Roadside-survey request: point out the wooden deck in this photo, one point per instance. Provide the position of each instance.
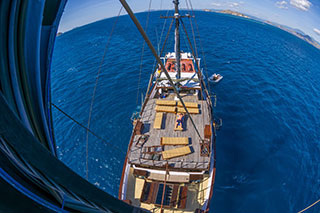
(190, 161)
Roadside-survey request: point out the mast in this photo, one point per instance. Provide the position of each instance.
(154, 52)
(177, 37)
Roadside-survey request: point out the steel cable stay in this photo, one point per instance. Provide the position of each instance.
(142, 53)
(162, 31)
(193, 35)
(185, 42)
(201, 46)
(95, 88)
(164, 185)
(195, 55)
(197, 63)
(155, 69)
(118, 149)
(159, 42)
(154, 52)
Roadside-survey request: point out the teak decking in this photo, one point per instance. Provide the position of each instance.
(189, 161)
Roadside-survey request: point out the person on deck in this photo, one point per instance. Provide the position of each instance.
(179, 120)
(183, 67)
(169, 67)
(190, 68)
(159, 70)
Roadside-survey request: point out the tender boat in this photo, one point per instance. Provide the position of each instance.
(170, 162)
(215, 78)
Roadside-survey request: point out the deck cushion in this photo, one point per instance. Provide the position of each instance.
(177, 152)
(158, 120)
(174, 141)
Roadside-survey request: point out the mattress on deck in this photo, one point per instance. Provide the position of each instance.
(174, 141)
(177, 152)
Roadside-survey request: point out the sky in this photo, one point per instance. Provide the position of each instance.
(298, 14)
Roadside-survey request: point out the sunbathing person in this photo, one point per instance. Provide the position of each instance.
(179, 120)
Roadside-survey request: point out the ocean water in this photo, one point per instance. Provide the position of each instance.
(268, 149)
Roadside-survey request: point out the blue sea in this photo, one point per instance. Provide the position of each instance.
(268, 149)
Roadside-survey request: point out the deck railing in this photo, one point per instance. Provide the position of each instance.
(177, 164)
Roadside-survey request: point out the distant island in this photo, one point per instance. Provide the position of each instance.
(295, 32)
(234, 13)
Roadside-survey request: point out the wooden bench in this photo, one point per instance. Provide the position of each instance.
(169, 109)
(158, 120)
(174, 141)
(177, 152)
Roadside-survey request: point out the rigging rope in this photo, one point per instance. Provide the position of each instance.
(154, 71)
(303, 210)
(201, 46)
(88, 130)
(206, 91)
(158, 47)
(164, 186)
(194, 57)
(193, 35)
(162, 31)
(161, 35)
(95, 88)
(142, 53)
(185, 42)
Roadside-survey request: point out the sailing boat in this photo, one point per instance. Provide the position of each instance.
(170, 162)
